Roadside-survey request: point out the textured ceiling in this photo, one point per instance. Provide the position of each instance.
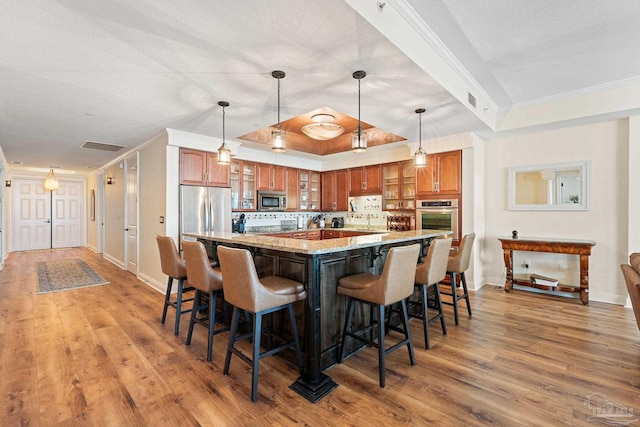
(121, 71)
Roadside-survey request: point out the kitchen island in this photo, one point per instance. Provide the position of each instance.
(319, 264)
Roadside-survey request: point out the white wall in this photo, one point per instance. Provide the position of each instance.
(92, 229)
(605, 145)
(114, 214)
(152, 205)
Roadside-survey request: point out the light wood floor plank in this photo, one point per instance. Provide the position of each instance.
(99, 356)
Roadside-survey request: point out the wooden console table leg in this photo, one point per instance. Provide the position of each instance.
(508, 263)
(584, 279)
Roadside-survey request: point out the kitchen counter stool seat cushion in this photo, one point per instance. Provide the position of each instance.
(429, 274)
(247, 292)
(394, 285)
(456, 266)
(174, 267)
(207, 281)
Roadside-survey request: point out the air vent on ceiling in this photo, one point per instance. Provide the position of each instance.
(101, 146)
(472, 100)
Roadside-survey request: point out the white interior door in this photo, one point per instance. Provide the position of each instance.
(132, 214)
(67, 221)
(31, 206)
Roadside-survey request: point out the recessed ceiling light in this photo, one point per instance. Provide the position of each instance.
(322, 131)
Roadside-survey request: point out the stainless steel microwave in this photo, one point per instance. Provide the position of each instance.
(272, 200)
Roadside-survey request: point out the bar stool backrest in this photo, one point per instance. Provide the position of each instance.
(460, 262)
(171, 263)
(397, 279)
(242, 287)
(199, 271)
(434, 267)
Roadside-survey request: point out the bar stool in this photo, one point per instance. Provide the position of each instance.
(395, 284)
(428, 276)
(208, 283)
(246, 292)
(174, 267)
(457, 265)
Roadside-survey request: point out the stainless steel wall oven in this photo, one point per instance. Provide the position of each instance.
(438, 215)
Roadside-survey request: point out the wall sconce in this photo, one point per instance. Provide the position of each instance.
(109, 180)
(7, 183)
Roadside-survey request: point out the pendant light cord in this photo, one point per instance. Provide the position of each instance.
(278, 103)
(359, 126)
(223, 113)
(420, 130)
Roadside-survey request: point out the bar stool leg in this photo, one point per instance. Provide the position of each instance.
(232, 339)
(294, 330)
(212, 323)
(347, 328)
(466, 292)
(257, 328)
(179, 305)
(167, 297)
(407, 333)
(381, 352)
(425, 317)
(454, 297)
(197, 300)
(438, 299)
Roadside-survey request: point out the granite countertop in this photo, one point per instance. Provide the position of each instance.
(315, 247)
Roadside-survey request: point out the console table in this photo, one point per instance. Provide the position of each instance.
(559, 246)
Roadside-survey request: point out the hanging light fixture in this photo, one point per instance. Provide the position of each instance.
(51, 183)
(224, 153)
(359, 138)
(420, 160)
(278, 136)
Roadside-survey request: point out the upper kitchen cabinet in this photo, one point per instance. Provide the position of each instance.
(293, 188)
(365, 180)
(271, 177)
(335, 196)
(442, 175)
(309, 190)
(202, 168)
(398, 182)
(243, 186)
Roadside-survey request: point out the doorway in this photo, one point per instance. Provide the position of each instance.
(47, 219)
(131, 209)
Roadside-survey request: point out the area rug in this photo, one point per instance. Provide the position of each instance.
(61, 274)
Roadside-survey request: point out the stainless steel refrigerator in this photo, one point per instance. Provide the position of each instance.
(204, 209)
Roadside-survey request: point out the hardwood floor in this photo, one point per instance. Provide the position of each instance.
(99, 356)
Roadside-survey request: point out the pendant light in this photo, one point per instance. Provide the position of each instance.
(359, 138)
(51, 183)
(420, 160)
(278, 136)
(224, 153)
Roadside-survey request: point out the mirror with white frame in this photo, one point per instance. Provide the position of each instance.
(552, 187)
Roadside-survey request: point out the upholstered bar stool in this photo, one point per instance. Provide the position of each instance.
(208, 283)
(456, 266)
(174, 267)
(394, 285)
(245, 291)
(428, 277)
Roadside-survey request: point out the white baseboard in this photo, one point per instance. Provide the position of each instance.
(153, 283)
(93, 248)
(112, 260)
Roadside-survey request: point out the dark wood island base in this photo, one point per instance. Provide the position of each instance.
(319, 265)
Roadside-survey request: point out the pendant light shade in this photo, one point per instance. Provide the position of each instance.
(359, 138)
(278, 136)
(420, 160)
(224, 153)
(50, 182)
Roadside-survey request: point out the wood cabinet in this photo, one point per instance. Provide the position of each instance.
(335, 196)
(331, 234)
(292, 178)
(270, 177)
(309, 190)
(365, 180)
(314, 235)
(442, 175)
(243, 186)
(202, 168)
(398, 186)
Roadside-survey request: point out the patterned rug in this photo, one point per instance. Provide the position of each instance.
(61, 274)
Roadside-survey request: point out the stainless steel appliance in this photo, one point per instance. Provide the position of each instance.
(438, 215)
(272, 201)
(204, 209)
(337, 222)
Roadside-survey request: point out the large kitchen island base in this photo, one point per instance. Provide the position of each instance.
(319, 265)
